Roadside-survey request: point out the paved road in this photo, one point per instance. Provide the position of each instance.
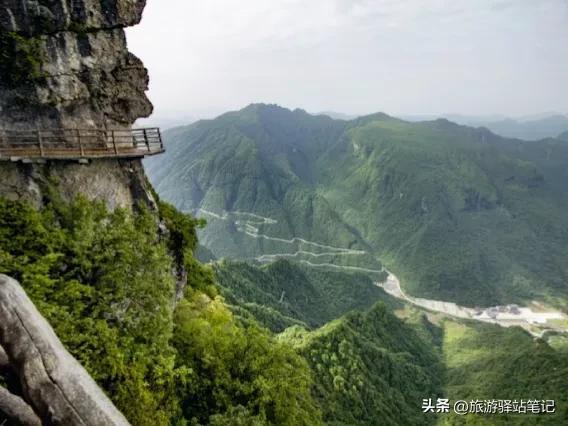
(535, 323)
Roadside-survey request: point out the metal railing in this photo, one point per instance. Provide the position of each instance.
(63, 144)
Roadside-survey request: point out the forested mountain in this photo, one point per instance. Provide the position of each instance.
(371, 366)
(530, 128)
(285, 293)
(276, 311)
(286, 343)
(260, 160)
(104, 282)
(460, 214)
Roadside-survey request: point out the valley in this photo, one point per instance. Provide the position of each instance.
(537, 322)
(248, 223)
(370, 351)
(460, 214)
(302, 211)
(270, 266)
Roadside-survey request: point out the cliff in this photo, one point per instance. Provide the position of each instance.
(120, 183)
(65, 64)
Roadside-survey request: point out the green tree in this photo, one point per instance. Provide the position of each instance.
(238, 371)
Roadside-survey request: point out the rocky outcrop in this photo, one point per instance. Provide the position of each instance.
(33, 17)
(65, 63)
(52, 382)
(119, 183)
(17, 410)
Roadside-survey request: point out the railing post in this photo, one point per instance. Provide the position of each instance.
(114, 142)
(59, 143)
(146, 140)
(80, 142)
(39, 142)
(160, 138)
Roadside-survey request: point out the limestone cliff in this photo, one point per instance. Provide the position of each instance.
(120, 183)
(65, 64)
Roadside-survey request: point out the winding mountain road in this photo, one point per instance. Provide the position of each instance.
(535, 322)
(248, 223)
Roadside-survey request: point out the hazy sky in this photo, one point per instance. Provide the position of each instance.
(356, 56)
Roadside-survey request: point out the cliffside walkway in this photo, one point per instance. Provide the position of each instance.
(78, 144)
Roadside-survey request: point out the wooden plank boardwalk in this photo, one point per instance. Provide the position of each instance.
(78, 144)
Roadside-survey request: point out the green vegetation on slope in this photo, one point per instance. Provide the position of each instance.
(370, 368)
(285, 293)
(490, 362)
(20, 59)
(258, 160)
(374, 368)
(458, 213)
(104, 281)
(238, 375)
(105, 285)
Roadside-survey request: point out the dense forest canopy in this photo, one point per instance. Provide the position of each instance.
(104, 281)
(458, 213)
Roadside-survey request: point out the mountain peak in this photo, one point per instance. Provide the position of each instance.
(378, 116)
(268, 108)
(378, 180)
(261, 106)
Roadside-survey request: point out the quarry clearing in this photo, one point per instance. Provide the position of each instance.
(536, 319)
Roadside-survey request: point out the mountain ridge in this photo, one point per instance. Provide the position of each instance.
(445, 206)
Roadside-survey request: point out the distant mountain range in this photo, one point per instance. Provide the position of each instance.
(459, 213)
(527, 128)
(166, 121)
(533, 127)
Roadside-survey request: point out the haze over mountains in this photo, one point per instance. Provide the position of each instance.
(303, 211)
(286, 307)
(532, 127)
(459, 213)
(535, 127)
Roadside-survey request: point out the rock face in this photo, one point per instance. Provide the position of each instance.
(55, 385)
(65, 64)
(119, 183)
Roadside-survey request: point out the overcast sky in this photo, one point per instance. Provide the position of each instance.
(356, 56)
